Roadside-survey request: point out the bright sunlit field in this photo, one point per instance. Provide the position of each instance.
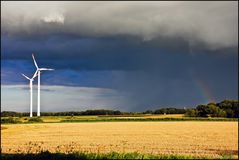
(199, 139)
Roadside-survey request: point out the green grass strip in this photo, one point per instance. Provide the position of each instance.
(148, 119)
(83, 156)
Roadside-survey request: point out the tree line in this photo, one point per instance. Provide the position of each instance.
(94, 112)
(166, 111)
(73, 113)
(226, 108)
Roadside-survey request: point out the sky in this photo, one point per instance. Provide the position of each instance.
(128, 56)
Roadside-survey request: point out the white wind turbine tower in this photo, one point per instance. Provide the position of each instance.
(30, 84)
(38, 73)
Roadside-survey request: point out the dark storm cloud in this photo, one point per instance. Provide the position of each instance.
(172, 82)
(212, 23)
(102, 35)
(153, 53)
(94, 54)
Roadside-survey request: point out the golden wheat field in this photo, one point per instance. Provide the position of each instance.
(201, 139)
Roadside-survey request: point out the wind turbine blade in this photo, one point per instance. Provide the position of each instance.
(46, 69)
(35, 74)
(34, 61)
(26, 77)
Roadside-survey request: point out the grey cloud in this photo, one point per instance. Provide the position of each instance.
(66, 99)
(138, 42)
(212, 23)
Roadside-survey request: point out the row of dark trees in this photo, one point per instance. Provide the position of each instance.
(166, 111)
(226, 108)
(80, 113)
(94, 112)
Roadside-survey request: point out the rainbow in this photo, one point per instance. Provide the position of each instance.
(204, 90)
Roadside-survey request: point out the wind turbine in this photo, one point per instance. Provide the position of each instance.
(31, 80)
(38, 73)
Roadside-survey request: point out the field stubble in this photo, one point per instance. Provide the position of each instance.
(200, 139)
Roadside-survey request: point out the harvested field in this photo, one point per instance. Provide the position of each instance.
(201, 139)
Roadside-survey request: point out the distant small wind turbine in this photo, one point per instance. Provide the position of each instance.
(30, 84)
(38, 73)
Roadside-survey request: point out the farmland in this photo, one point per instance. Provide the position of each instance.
(109, 118)
(189, 138)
